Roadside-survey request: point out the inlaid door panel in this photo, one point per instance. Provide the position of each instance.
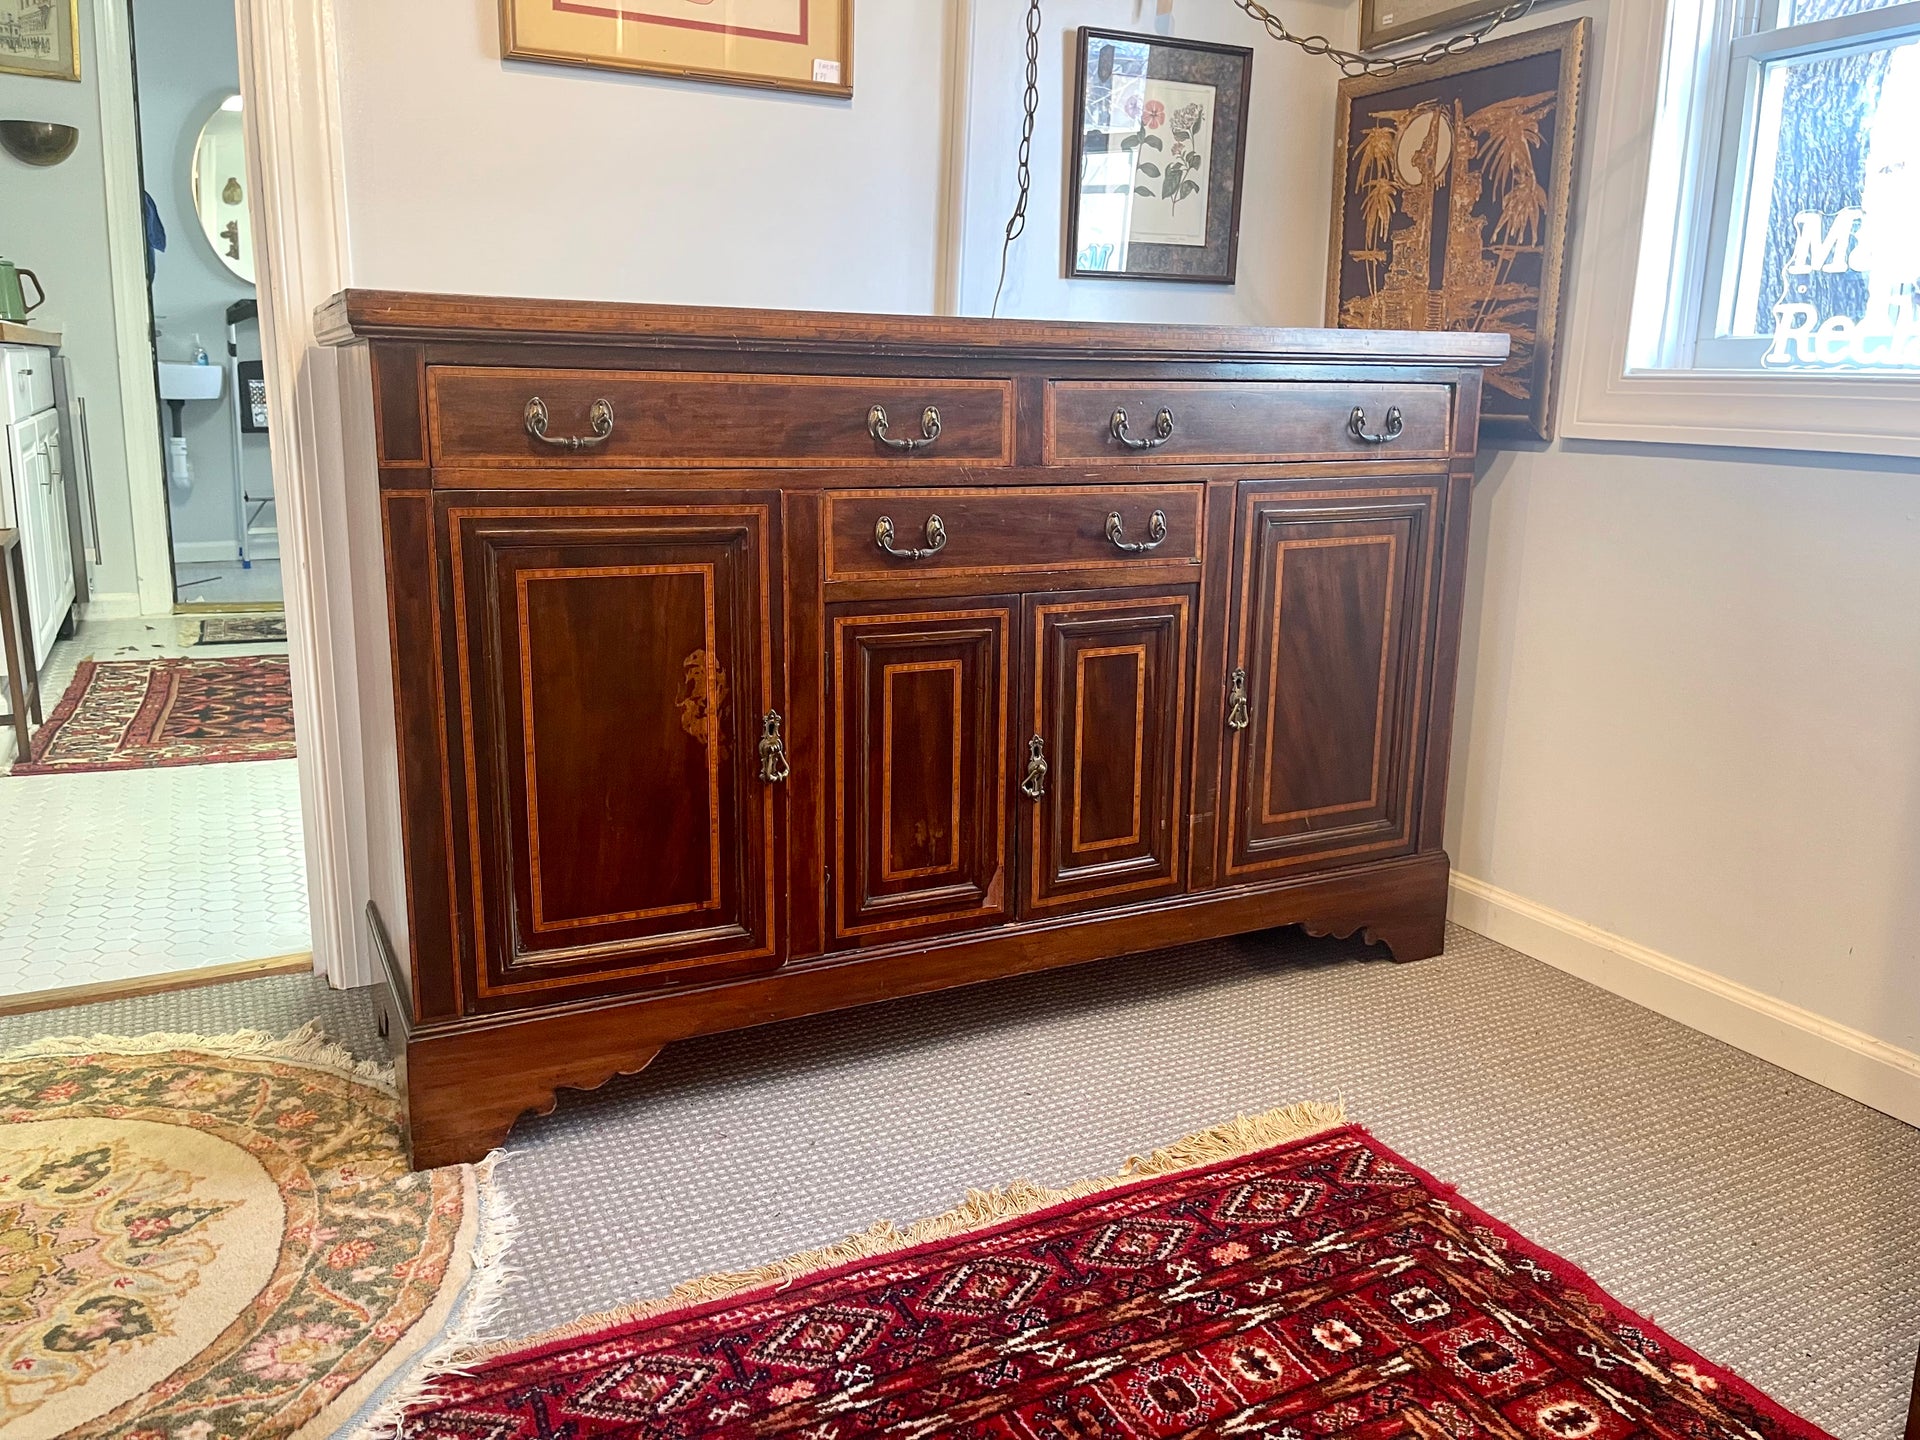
(1108, 701)
(616, 665)
(1328, 659)
(921, 700)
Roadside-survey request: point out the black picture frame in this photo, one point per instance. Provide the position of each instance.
(1228, 69)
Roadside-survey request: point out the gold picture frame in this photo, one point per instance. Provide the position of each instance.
(30, 26)
(1452, 199)
(1382, 22)
(801, 45)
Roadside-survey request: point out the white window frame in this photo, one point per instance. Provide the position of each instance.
(1666, 67)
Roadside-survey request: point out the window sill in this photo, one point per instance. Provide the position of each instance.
(1846, 414)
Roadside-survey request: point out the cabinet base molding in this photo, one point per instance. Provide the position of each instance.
(465, 1083)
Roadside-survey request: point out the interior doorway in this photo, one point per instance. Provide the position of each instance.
(222, 518)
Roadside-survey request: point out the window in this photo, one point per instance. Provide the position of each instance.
(1787, 148)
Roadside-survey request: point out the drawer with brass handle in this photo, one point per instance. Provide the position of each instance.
(1244, 421)
(885, 534)
(505, 415)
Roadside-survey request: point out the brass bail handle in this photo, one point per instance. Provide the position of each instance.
(1237, 709)
(1156, 532)
(936, 533)
(1357, 426)
(1162, 430)
(600, 417)
(773, 750)
(1035, 785)
(929, 429)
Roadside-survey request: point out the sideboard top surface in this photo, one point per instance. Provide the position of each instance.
(395, 315)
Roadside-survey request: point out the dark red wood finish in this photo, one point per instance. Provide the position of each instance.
(592, 648)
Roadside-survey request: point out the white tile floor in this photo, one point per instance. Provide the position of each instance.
(144, 872)
(196, 582)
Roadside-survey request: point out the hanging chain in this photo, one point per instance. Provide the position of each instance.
(1017, 222)
(1352, 63)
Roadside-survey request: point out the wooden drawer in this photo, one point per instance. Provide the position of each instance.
(1005, 532)
(1245, 421)
(478, 416)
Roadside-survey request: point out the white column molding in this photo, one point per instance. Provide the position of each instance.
(132, 309)
(292, 116)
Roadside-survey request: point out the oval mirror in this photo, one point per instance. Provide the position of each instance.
(220, 188)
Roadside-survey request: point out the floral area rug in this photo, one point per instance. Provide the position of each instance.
(218, 1239)
(140, 714)
(1281, 1277)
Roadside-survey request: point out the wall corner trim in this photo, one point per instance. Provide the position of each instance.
(1842, 1059)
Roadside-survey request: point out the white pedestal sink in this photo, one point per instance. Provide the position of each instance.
(180, 381)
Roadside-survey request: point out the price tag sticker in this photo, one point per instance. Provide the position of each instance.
(826, 72)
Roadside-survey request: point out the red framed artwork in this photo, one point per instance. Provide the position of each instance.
(777, 44)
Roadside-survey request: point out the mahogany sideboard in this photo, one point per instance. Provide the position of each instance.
(721, 667)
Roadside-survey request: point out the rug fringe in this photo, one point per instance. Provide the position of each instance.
(497, 1226)
(309, 1046)
(1242, 1135)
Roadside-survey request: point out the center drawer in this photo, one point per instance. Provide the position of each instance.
(887, 534)
(486, 415)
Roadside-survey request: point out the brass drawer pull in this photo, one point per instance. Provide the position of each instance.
(1237, 717)
(1162, 430)
(1357, 426)
(600, 417)
(773, 750)
(1035, 785)
(929, 429)
(936, 538)
(1156, 532)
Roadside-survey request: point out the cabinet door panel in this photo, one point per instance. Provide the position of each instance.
(1331, 618)
(1108, 698)
(615, 667)
(920, 739)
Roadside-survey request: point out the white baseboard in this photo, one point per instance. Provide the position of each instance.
(1850, 1061)
(190, 552)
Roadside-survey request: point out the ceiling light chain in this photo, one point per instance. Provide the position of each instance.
(1352, 63)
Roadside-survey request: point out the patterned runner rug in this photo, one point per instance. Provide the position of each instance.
(206, 1238)
(139, 714)
(1247, 1282)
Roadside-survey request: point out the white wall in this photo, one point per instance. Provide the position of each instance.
(53, 220)
(187, 58)
(1689, 718)
(469, 174)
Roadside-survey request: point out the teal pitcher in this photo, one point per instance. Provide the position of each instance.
(13, 300)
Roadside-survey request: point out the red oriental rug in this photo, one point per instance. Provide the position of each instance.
(142, 714)
(1228, 1286)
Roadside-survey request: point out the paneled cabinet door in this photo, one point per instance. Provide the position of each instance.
(617, 667)
(1332, 595)
(1102, 752)
(920, 733)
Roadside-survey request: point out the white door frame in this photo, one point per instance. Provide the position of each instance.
(292, 123)
(132, 307)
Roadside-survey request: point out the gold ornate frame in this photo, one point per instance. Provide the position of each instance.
(73, 43)
(1570, 40)
(514, 47)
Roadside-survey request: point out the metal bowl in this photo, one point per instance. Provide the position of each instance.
(38, 142)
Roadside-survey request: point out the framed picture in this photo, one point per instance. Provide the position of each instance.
(1452, 190)
(1159, 148)
(1384, 21)
(40, 37)
(776, 44)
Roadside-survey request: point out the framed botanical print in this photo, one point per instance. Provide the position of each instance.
(40, 37)
(1384, 21)
(1159, 149)
(1453, 185)
(777, 44)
